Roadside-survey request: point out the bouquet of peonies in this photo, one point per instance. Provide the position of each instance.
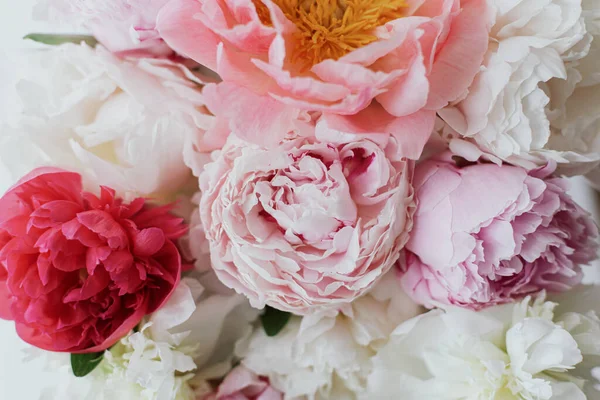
(304, 199)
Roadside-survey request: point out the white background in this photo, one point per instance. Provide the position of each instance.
(20, 380)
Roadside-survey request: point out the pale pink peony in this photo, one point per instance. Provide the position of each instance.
(78, 271)
(407, 57)
(310, 224)
(243, 384)
(486, 234)
(127, 27)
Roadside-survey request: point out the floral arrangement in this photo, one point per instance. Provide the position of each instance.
(304, 199)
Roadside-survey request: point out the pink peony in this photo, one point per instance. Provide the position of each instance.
(127, 27)
(406, 57)
(77, 271)
(486, 234)
(309, 224)
(243, 384)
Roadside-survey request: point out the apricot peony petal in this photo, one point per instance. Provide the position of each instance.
(178, 26)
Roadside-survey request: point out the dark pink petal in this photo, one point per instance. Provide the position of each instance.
(54, 213)
(148, 242)
(5, 301)
(118, 261)
(93, 285)
(104, 225)
(95, 256)
(68, 277)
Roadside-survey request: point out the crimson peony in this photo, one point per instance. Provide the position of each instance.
(77, 271)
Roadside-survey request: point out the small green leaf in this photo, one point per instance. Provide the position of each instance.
(273, 320)
(56, 39)
(83, 364)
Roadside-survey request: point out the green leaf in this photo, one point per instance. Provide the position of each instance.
(83, 364)
(273, 320)
(56, 39)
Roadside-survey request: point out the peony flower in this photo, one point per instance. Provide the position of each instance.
(536, 99)
(486, 234)
(126, 27)
(307, 225)
(329, 357)
(180, 348)
(513, 352)
(78, 271)
(86, 111)
(399, 58)
(242, 384)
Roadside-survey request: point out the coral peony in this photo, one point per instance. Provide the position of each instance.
(80, 271)
(127, 27)
(485, 234)
(410, 57)
(309, 224)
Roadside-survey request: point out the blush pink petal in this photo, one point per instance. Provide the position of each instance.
(250, 34)
(258, 119)
(411, 132)
(461, 58)
(303, 87)
(243, 384)
(239, 69)
(180, 28)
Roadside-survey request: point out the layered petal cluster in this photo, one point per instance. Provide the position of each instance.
(309, 224)
(276, 57)
(79, 271)
(325, 357)
(536, 97)
(486, 234)
(119, 123)
(511, 352)
(126, 27)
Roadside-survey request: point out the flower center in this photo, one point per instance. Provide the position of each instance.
(330, 29)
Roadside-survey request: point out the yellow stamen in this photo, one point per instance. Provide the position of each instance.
(330, 29)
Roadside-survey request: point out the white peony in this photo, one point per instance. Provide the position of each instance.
(537, 96)
(525, 351)
(176, 352)
(325, 357)
(123, 26)
(120, 123)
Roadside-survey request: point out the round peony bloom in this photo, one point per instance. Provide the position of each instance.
(78, 271)
(486, 234)
(537, 97)
(126, 27)
(410, 57)
(527, 351)
(310, 224)
(87, 111)
(324, 357)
